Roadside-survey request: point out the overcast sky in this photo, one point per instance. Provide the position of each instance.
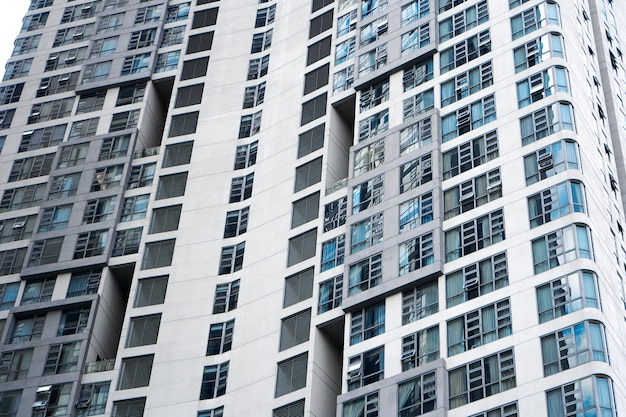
(11, 13)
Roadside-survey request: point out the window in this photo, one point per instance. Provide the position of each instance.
(135, 372)
(573, 346)
(236, 222)
(551, 160)
(141, 176)
(55, 400)
(143, 330)
(373, 60)
(42, 138)
(250, 125)
(482, 378)
(26, 45)
(203, 18)
(365, 274)
(148, 14)
(465, 51)
(172, 36)
(507, 410)
(114, 147)
(241, 188)
(183, 124)
(62, 358)
(17, 69)
(38, 291)
(34, 21)
(231, 259)
(189, 95)
(375, 95)
(318, 4)
(305, 210)
(473, 193)
(596, 391)
(295, 329)
(470, 154)
(129, 408)
(200, 42)
(6, 117)
(158, 254)
(254, 96)
(245, 155)
(130, 94)
(258, 67)
(370, 7)
(416, 253)
(416, 173)
(142, 38)
(27, 329)
(84, 128)
(468, 118)
(58, 60)
(417, 396)
(546, 121)
(419, 302)
(106, 178)
(226, 297)
(135, 64)
(11, 261)
(214, 381)
(93, 398)
(463, 21)
(127, 241)
(220, 337)
(367, 323)
(90, 244)
(167, 61)
(541, 85)
(265, 16)
(466, 84)
(373, 31)
(22, 197)
(110, 23)
(302, 247)
(333, 253)
(368, 158)
(177, 12)
(32, 167)
(298, 287)
(321, 24)
(420, 348)
(554, 202)
(312, 109)
(373, 125)
(51, 110)
(479, 327)
(567, 294)
(560, 247)
(8, 295)
(171, 186)
(216, 412)
(538, 50)
(415, 39)
(11, 93)
(45, 251)
(335, 214)
(57, 84)
(346, 23)
(366, 406)
(415, 136)
(366, 233)
(84, 283)
(367, 194)
(177, 154)
(366, 368)
(315, 79)
(261, 41)
(103, 47)
(474, 235)
(343, 79)
(476, 279)
(134, 208)
(546, 13)
(416, 212)
(151, 291)
(291, 375)
(330, 295)
(165, 219)
(55, 218)
(13, 367)
(308, 174)
(124, 120)
(418, 104)
(96, 72)
(295, 409)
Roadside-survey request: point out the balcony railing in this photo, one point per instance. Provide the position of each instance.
(100, 366)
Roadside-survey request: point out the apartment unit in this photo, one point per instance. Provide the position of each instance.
(289, 208)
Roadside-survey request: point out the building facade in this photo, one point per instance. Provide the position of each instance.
(289, 208)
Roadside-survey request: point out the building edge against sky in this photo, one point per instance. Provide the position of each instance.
(313, 208)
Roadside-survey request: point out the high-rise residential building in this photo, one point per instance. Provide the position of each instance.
(320, 208)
